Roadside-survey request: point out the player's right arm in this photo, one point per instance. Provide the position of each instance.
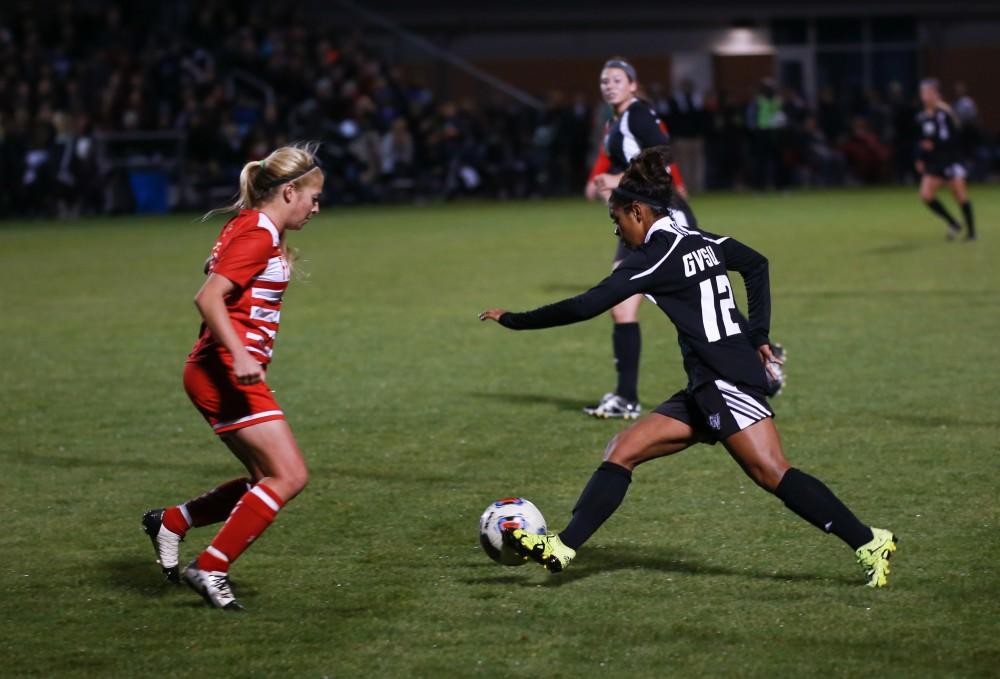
(211, 303)
(599, 177)
(627, 280)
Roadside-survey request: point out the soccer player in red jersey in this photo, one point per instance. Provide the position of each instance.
(240, 304)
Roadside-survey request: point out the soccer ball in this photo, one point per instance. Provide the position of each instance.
(510, 512)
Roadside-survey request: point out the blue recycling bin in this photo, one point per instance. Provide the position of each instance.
(151, 191)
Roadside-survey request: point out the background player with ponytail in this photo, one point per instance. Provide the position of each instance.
(240, 304)
(683, 271)
(938, 159)
(635, 126)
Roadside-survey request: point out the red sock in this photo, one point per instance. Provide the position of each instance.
(176, 521)
(252, 515)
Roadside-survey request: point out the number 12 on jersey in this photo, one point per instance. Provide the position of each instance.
(713, 306)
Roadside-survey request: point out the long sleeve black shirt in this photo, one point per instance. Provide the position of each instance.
(683, 272)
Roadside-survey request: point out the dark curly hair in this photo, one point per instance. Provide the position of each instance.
(647, 180)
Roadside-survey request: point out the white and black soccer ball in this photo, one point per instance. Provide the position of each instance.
(508, 513)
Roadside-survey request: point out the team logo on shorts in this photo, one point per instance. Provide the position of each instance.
(715, 421)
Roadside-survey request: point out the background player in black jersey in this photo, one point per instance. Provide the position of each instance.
(683, 271)
(939, 158)
(635, 126)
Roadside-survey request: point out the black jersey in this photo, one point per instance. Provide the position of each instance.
(939, 128)
(636, 129)
(683, 272)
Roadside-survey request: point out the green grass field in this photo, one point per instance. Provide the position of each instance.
(414, 416)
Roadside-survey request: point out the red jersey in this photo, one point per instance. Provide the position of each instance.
(248, 253)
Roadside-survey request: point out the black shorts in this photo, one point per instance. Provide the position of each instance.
(946, 171)
(718, 409)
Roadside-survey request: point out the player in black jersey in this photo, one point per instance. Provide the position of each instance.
(939, 160)
(635, 126)
(683, 271)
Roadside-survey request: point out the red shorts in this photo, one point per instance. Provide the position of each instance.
(224, 402)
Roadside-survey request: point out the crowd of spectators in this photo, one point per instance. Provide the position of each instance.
(778, 140)
(233, 80)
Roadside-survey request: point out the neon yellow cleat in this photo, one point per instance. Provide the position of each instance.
(874, 556)
(547, 550)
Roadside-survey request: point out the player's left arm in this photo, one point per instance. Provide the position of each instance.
(753, 266)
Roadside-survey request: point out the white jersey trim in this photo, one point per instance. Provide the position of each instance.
(630, 147)
(259, 313)
(670, 226)
(248, 418)
(265, 222)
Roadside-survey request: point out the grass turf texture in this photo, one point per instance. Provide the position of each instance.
(414, 416)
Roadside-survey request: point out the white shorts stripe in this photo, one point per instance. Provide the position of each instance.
(265, 498)
(749, 406)
(729, 389)
(737, 407)
(248, 418)
(216, 553)
(741, 421)
(184, 511)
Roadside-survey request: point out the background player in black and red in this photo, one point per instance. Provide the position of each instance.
(939, 160)
(634, 127)
(684, 272)
(225, 374)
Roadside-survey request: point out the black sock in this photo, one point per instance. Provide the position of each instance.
(969, 223)
(813, 501)
(598, 501)
(627, 343)
(937, 208)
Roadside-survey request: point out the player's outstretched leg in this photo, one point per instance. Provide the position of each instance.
(758, 450)
(653, 436)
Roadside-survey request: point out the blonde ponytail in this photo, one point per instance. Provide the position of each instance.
(261, 179)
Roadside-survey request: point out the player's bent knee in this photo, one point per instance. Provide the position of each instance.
(623, 315)
(299, 480)
(619, 452)
(767, 476)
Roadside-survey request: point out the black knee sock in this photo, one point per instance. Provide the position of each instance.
(937, 208)
(598, 501)
(627, 344)
(813, 501)
(969, 223)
